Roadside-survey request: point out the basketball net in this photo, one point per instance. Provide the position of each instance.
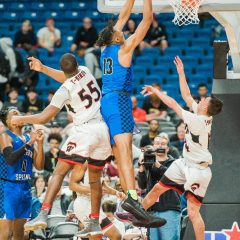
(186, 11)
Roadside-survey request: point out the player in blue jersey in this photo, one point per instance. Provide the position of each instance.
(20, 156)
(116, 106)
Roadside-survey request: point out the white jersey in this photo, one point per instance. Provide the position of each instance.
(81, 96)
(198, 132)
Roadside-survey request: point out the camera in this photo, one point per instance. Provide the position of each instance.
(150, 157)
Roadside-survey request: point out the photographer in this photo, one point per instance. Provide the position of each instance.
(151, 168)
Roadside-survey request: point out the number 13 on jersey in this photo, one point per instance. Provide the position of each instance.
(107, 66)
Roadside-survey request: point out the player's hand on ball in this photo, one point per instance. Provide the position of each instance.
(179, 64)
(35, 64)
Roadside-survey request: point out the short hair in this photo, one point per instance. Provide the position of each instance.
(50, 18)
(52, 91)
(54, 136)
(165, 136)
(179, 123)
(31, 89)
(156, 84)
(68, 63)
(202, 85)
(106, 35)
(109, 206)
(13, 89)
(215, 106)
(3, 116)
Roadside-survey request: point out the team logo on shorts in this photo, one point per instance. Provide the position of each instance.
(195, 186)
(71, 146)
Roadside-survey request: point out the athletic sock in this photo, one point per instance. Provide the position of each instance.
(94, 215)
(133, 194)
(46, 206)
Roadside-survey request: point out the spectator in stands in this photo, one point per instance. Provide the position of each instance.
(49, 37)
(130, 28)
(168, 205)
(180, 137)
(175, 137)
(39, 189)
(154, 107)
(8, 68)
(32, 104)
(139, 114)
(92, 58)
(112, 170)
(13, 100)
(153, 132)
(25, 38)
(86, 35)
(202, 91)
(54, 141)
(109, 208)
(156, 37)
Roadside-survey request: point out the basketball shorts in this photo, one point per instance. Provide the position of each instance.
(82, 210)
(17, 201)
(116, 109)
(183, 176)
(90, 142)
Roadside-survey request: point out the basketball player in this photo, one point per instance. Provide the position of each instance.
(116, 64)
(79, 183)
(90, 141)
(192, 173)
(20, 156)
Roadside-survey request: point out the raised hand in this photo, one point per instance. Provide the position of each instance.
(33, 137)
(35, 64)
(39, 136)
(148, 90)
(179, 64)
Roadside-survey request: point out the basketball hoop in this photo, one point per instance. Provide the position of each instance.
(186, 11)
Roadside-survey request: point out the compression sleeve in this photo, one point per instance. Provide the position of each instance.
(11, 156)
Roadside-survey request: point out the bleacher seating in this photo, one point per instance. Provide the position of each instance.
(192, 43)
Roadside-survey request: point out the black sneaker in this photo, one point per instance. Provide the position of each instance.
(153, 223)
(142, 218)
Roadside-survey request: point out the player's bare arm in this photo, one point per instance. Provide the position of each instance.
(185, 91)
(142, 29)
(36, 65)
(39, 156)
(41, 118)
(5, 141)
(170, 102)
(124, 15)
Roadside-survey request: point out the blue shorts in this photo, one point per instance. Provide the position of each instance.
(17, 200)
(116, 109)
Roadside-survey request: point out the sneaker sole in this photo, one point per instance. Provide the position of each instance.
(149, 225)
(129, 208)
(89, 234)
(35, 227)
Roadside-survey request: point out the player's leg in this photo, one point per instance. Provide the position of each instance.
(113, 233)
(196, 219)
(18, 229)
(61, 170)
(123, 148)
(6, 227)
(116, 154)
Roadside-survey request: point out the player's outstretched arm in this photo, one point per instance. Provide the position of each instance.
(39, 156)
(41, 118)
(142, 29)
(185, 91)
(124, 15)
(170, 102)
(36, 65)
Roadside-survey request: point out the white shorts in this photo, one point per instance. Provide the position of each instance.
(82, 210)
(185, 177)
(89, 142)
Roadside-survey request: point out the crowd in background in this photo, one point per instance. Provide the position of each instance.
(16, 79)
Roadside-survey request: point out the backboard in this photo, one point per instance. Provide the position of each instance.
(114, 6)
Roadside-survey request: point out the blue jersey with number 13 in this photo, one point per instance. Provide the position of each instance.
(115, 77)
